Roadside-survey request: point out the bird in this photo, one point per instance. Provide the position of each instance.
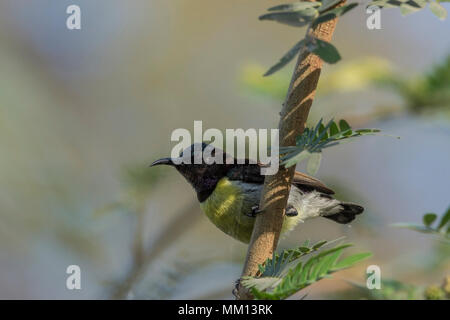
(229, 193)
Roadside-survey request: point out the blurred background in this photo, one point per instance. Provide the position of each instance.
(83, 113)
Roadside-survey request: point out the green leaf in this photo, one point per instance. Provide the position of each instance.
(298, 158)
(412, 6)
(314, 272)
(333, 128)
(442, 230)
(438, 10)
(294, 19)
(332, 250)
(406, 9)
(323, 132)
(405, 6)
(351, 260)
(260, 283)
(327, 263)
(286, 58)
(429, 218)
(348, 133)
(313, 140)
(414, 227)
(343, 125)
(325, 50)
(367, 131)
(294, 274)
(445, 218)
(420, 3)
(314, 163)
(327, 4)
(334, 13)
(319, 244)
(382, 4)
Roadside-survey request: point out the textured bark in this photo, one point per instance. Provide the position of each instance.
(293, 117)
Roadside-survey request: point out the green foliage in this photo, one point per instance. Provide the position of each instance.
(423, 93)
(429, 218)
(397, 290)
(438, 10)
(434, 293)
(297, 14)
(406, 7)
(333, 13)
(284, 60)
(412, 6)
(349, 76)
(311, 14)
(289, 272)
(390, 290)
(300, 14)
(442, 229)
(393, 289)
(439, 76)
(312, 141)
(429, 91)
(325, 50)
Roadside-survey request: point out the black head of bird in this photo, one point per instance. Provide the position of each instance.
(198, 166)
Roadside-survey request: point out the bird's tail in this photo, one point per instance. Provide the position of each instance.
(347, 213)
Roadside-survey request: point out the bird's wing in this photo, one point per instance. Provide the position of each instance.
(303, 181)
(251, 172)
(248, 172)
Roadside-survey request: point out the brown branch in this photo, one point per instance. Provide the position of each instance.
(293, 117)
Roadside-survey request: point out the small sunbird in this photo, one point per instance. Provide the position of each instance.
(229, 193)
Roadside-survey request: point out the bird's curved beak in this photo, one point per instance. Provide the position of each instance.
(166, 161)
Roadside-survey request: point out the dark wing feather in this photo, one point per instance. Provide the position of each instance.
(246, 172)
(251, 172)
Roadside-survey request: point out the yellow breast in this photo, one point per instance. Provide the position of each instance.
(224, 207)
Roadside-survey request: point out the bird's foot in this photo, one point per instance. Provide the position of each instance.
(255, 211)
(291, 211)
